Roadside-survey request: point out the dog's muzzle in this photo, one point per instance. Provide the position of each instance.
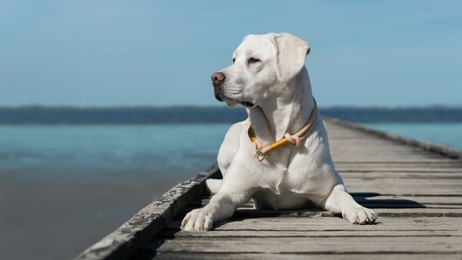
(217, 81)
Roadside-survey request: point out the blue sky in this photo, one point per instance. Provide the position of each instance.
(160, 53)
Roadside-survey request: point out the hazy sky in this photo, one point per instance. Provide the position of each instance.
(146, 52)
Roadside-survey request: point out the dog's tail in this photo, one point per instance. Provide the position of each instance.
(213, 185)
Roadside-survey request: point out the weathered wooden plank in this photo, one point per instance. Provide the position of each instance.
(326, 224)
(393, 186)
(310, 245)
(384, 174)
(380, 156)
(321, 223)
(266, 256)
(384, 154)
(383, 167)
(386, 159)
(173, 234)
(393, 211)
(440, 149)
(409, 181)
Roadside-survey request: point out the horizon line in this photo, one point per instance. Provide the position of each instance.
(81, 107)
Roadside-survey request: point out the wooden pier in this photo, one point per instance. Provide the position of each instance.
(415, 187)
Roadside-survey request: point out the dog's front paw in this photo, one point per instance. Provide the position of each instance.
(360, 215)
(198, 219)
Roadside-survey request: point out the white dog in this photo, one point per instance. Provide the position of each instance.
(280, 155)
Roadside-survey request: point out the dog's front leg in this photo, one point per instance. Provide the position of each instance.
(221, 206)
(340, 201)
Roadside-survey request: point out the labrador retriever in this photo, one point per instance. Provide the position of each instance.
(280, 155)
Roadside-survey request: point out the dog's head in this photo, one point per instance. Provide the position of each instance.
(263, 65)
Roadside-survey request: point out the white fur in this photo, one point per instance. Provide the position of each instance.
(268, 76)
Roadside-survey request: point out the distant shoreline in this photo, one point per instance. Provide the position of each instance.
(62, 115)
(219, 107)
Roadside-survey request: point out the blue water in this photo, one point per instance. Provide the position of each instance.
(98, 152)
(69, 176)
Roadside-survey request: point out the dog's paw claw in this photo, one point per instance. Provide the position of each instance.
(360, 216)
(197, 220)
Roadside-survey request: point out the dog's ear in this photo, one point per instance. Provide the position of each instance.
(290, 55)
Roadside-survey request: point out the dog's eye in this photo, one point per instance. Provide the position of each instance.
(234, 59)
(253, 60)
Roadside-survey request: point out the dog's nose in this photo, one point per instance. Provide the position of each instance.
(217, 78)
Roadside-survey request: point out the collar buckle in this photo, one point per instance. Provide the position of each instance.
(260, 155)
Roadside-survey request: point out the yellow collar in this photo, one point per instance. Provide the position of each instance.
(263, 152)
